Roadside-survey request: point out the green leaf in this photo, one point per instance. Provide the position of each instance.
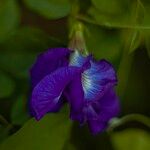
(22, 48)
(51, 132)
(104, 43)
(146, 6)
(18, 64)
(135, 41)
(110, 7)
(51, 9)
(4, 132)
(134, 82)
(7, 85)
(131, 139)
(19, 113)
(147, 41)
(132, 40)
(69, 146)
(139, 118)
(4, 128)
(118, 14)
(27, 39)
(9, 18)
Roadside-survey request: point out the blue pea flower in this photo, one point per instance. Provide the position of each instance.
(87, 84)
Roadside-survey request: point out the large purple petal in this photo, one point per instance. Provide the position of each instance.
(75, 96)
(74, 92)
(96, 126)
(109, 106)
(98, 79)
(106, 108)
(48, 62)
(46, 95)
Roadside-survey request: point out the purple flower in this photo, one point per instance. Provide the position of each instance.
(87, 84)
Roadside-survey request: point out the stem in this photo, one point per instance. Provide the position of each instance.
(76, 32)
(123, 72)
(89, 20)
(77, 41)
(132, 117)
(3, 120)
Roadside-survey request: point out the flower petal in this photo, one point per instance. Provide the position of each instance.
(109, 106)
(98, 113)
(75, 96)
(96, 126)
(47, 62)
(77, 59)
(96, 80)
(46, 95)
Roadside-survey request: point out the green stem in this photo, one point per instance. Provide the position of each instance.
(123, 72)
(132, 117)
(76, 32)
(77, 41)
(3, 120)
(89, 20)
(5, 123)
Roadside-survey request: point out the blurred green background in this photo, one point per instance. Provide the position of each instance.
(117, 30)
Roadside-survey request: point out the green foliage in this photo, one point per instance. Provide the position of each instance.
(4, 128)
(7, 85)
(9, 18)
(51, 9)
(135, 40)
(51, 132)
(146, 6)
(131, 139)
(22, 48)
(109, 7)
(4, 131)
(118, 13)
(19, 63)
(122, 15)
(19, 114)
(147, 41)
(135, 95)
(104, 43)
(29, 39)
(116, 30)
